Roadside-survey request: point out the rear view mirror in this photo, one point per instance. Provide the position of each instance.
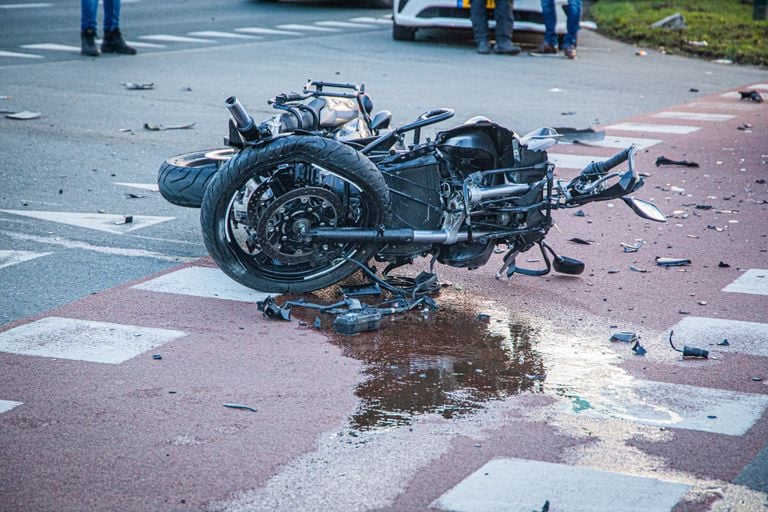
(381, 120)
(645, 209)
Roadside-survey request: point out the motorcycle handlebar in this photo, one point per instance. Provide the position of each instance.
(603, 166)
(243, 121)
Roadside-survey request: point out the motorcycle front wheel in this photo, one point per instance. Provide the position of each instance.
(259, 207)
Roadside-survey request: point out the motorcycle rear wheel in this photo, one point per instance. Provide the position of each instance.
(257, 206)
(182, 179)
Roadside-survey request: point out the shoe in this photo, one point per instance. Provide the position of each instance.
(506, 48)
(545, 48)
(483, 48)
(114, 43)
(88, 43)
(570, 52)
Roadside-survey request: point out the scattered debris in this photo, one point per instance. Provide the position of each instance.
(160, 127)
(704, 206)
(134, 86)
(757, 378)
(673, 21)
(361, 290)
(693, 89)
(702, 303)
(186, 88)
(318, 323)
(638, 269)
(569, 113)
(662, 160)
(272, 310)
(633, 248)
(698, 44)
(641, 53)
(744, 127)
(689, 351)
(580, 241)
(483, 317)
(723, 61)
(131, 195)
(354, 322)
(579, 135)
(579, 213)
(624, 337)
(638, 349)
(752, 96)
(672, 262)
(723, 343)
(157, 356)
(240, 406)
(24, 115)
(127, 219)
(302, 323)
(125, 130)
(613, 271)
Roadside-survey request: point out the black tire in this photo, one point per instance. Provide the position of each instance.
(401, 33)
(182, 179)
(259, 165)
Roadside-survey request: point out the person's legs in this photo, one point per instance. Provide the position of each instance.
(574, 18)
(111, 15)
(479, 18)
(504, 22)
(550, 20)
(88, 10)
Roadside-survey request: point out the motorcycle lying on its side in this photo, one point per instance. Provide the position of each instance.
(292, 211)
(344, 113)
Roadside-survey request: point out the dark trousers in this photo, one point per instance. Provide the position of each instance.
(504, 20)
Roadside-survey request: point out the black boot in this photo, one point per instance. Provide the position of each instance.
(114, 43)
(88, 43)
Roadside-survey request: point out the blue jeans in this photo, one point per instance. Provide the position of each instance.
(573, 13)
(89, 9)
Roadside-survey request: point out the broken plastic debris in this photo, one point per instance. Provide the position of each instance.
(638, 349)
(134, 86)
(160, 127)
(318, 323)
(752, 96)
(637, 269)
(580, 241)
(723, 343)
(579, 213)
(579, 135)
(672, 262)
(757, 378)
(624, 336)
(272, 310)
(360, 290)
(704, 206)
(157, 356)
(131, 195)
(240, 406)
(24, 115)
(673, 21)
(127, 219)
(483, 317)
(689, 351)
(641, 53)
(633, 248)
(356, 322)
(723, 61)
(613, 271)
(662, 160)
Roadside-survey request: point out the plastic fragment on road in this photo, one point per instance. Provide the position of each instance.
(690, 352)
(131, 195)
(757, 378)
(156, 357)
(135, 86)
(127, 219)
(579, 213)
(579, 135)
(638, 349)
(272, 310)
(674, 21)
(633, 268)
(634, 247)
(160, 127)
(580, 241)
(752, 96)
(355, 322)
(624, 337)
(483, 317)
(24, 115)
(240, 406)
(672, 262)
(723, 343)
(361, 290)
(662, 160)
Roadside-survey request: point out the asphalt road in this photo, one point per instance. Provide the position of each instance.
(89, 142)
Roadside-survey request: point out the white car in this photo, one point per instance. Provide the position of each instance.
(411, 15)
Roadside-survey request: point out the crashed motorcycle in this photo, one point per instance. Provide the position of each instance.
(295, 212)
(342, 112)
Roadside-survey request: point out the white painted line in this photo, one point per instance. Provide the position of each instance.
(503, 485)
(654, 128)
(140, 44)
(26, 6)
(267, 31)
(152, 187)
(7, 405)
(743, 337)
(675, 406)
(99, 221)
(222, 35)
(168, 38)
(754, 280)
(8, 258)
(368, 19)
(53, 47)
(20, 55)
(294, 26)
(342, 24)
(693, 116)
(712, 105)
(203, 282)
(613, 141)
(83, 340)
(573, 161)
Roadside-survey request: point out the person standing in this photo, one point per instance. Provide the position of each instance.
(573, 13)
(478, 13)
(113, 41)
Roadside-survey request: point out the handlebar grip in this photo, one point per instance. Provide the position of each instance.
(604, 166)
(290, 96)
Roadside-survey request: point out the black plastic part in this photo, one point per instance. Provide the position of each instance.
(566, 265)
(358, 321)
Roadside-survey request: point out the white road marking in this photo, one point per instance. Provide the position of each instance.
(26, 6)
(712, 105)
(674, 406)
(8, 258)
(758, 86)
(368, 19)
(654, 128)
(293, 26)
(342, 24)
(175, 39)
(116, 251)
(223, 35)
(20, 55)
(267, 31)
(754, 280)
(83, 340)
(732, 94)
(139, 44)
(737, 95)
(7, 405)
(693, 116)
(152, 187)
(573, 161)
(52, 47)
(99, 221)
(613, 141)
(202, 282)
(516, 484)
(743, 337)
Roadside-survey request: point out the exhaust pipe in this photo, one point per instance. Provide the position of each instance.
(397, 235)
(243, 121)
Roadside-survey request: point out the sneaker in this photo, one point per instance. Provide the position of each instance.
(570, 52)
(483, 48)
(545, 48)
(506, 48)
(114, 43)
(88, 43)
